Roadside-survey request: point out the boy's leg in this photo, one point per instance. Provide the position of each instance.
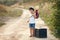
(33, 31)
(30, 32)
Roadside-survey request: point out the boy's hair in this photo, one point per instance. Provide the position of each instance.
(31, 8)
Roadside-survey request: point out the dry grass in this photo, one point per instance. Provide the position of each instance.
(8, 12)
(2, 8)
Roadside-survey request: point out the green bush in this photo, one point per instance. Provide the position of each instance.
(53, 19)
(57, 19)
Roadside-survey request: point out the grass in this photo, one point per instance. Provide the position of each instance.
(2, 23)
(51, 18)
(9, 12)
(46, 13)
(14, 13)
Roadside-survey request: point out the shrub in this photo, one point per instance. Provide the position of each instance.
(53, 19)
(57, 19)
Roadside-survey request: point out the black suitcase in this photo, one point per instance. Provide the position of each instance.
(41, 33)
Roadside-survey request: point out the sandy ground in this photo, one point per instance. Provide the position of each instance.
(18, 29)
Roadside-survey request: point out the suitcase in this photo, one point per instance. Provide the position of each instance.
(41, 33)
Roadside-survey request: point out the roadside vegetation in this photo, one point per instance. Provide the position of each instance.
(7, 13)
(50, 13)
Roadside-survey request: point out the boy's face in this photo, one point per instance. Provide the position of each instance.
(31, 11)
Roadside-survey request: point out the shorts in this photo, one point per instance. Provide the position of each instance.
(32, 25)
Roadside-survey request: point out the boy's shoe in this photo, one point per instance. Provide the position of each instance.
(31, 36)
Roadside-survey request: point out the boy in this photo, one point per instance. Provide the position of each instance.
(32, 22)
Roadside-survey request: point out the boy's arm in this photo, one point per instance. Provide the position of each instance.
(34, 15)
(28, 20)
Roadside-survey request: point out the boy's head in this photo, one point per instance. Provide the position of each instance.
(31, 10)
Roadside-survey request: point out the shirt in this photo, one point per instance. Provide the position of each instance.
(32, 19)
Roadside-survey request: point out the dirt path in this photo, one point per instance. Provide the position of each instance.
(19, 30)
